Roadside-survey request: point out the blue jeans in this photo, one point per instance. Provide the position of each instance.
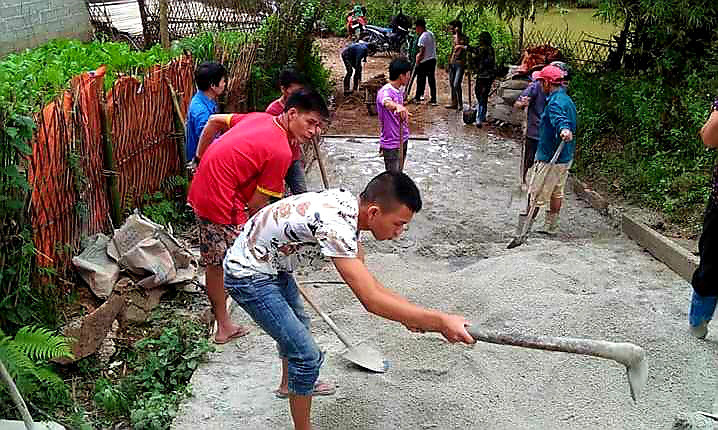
(274, 304)
(456, 75)
(702, 309)
(295, 178)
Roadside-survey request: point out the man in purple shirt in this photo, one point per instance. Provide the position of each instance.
(533, 97)
(391, 110)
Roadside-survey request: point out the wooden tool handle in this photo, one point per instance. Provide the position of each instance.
(322, 169)
(625, 353)
(343, 337)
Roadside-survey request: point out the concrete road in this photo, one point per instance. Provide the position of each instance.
(589, 281)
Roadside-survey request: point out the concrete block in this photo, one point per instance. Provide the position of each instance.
(665, 250)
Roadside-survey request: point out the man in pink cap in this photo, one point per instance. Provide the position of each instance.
(558, 123)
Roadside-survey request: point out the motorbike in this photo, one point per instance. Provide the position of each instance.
(392, 39)
(386, 39)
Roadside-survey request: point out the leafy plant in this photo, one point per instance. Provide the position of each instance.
(27, 358)
(162, 367)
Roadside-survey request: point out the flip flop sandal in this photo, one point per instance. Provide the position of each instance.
(243, 331)
(328, 391)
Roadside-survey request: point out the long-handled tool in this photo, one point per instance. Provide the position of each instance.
(630, 355)
(322, 169)
(407, 91)
(362, 355)
(525, 227)
(469, 115)
(518, 190)
(401, 144)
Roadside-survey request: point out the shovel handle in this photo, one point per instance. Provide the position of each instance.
(342, 336)
(625, 353)
(322, 169)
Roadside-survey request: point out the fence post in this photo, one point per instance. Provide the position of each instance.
(146, 33)
(521, 37)
(164, 25)
(110, 166)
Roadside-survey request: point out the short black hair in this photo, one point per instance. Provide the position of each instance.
(307, 100)
(290, 76)
(398, 67)
(391, 188)
(209, 74)
(420, 22)
(456, 24)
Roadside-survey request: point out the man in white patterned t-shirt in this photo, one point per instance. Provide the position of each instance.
(258, 273)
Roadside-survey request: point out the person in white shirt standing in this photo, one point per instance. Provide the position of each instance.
(425, 62)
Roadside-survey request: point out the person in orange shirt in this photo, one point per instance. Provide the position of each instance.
(237, 175)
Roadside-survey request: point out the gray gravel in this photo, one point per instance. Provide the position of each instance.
(589, 281)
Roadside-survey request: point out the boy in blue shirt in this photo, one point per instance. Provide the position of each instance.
(210, 79)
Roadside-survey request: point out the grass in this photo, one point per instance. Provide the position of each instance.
(575, 20)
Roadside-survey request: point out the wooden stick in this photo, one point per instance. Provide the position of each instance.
(17, 398)
(401, 144)
(322, 170)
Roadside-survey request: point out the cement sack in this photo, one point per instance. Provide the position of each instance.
(143, 247)
(96, 268)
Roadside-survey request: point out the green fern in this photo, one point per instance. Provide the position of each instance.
(27, 356)
(41, 344)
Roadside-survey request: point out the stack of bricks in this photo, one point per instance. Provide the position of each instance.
(28, 23)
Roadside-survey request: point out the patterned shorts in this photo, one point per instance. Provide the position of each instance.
(548, 182)
(215, 240)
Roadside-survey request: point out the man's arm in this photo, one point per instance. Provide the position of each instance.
(560, 121)
(387, 304)
(420, 54)
(396, 108)
(218, 123)
(257, 202)
(709, 132)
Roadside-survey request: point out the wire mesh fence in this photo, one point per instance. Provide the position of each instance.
(582, 50)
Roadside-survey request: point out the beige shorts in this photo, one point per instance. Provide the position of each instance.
(548, 182)
(215, 240)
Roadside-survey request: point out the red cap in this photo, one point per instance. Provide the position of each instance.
(550, 74)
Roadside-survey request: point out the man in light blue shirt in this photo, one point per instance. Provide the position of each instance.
(210, 79)
(557, 124)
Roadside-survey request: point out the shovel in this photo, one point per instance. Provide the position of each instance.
(362, 355)
(525, 227)
(518, 191)
(469, 115)
(630, 355)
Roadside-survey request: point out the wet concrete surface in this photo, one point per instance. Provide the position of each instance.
(589, 281)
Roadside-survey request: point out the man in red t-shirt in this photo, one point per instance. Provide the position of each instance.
(237, 175)
(289, 82)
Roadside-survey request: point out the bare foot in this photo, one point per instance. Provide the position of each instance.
(238, 331)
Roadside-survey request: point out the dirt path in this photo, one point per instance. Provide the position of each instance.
(589, 281)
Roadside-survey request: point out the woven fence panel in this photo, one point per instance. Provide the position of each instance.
(53, 196)
(69, 198)
(144, 136)
(92, 189)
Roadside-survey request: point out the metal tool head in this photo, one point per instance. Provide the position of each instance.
(367, 357)
(637, 374)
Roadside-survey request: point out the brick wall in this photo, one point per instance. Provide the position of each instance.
(28, 23)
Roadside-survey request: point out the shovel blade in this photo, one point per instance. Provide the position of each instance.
(367, 357)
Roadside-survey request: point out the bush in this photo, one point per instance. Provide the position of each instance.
(642, 133)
